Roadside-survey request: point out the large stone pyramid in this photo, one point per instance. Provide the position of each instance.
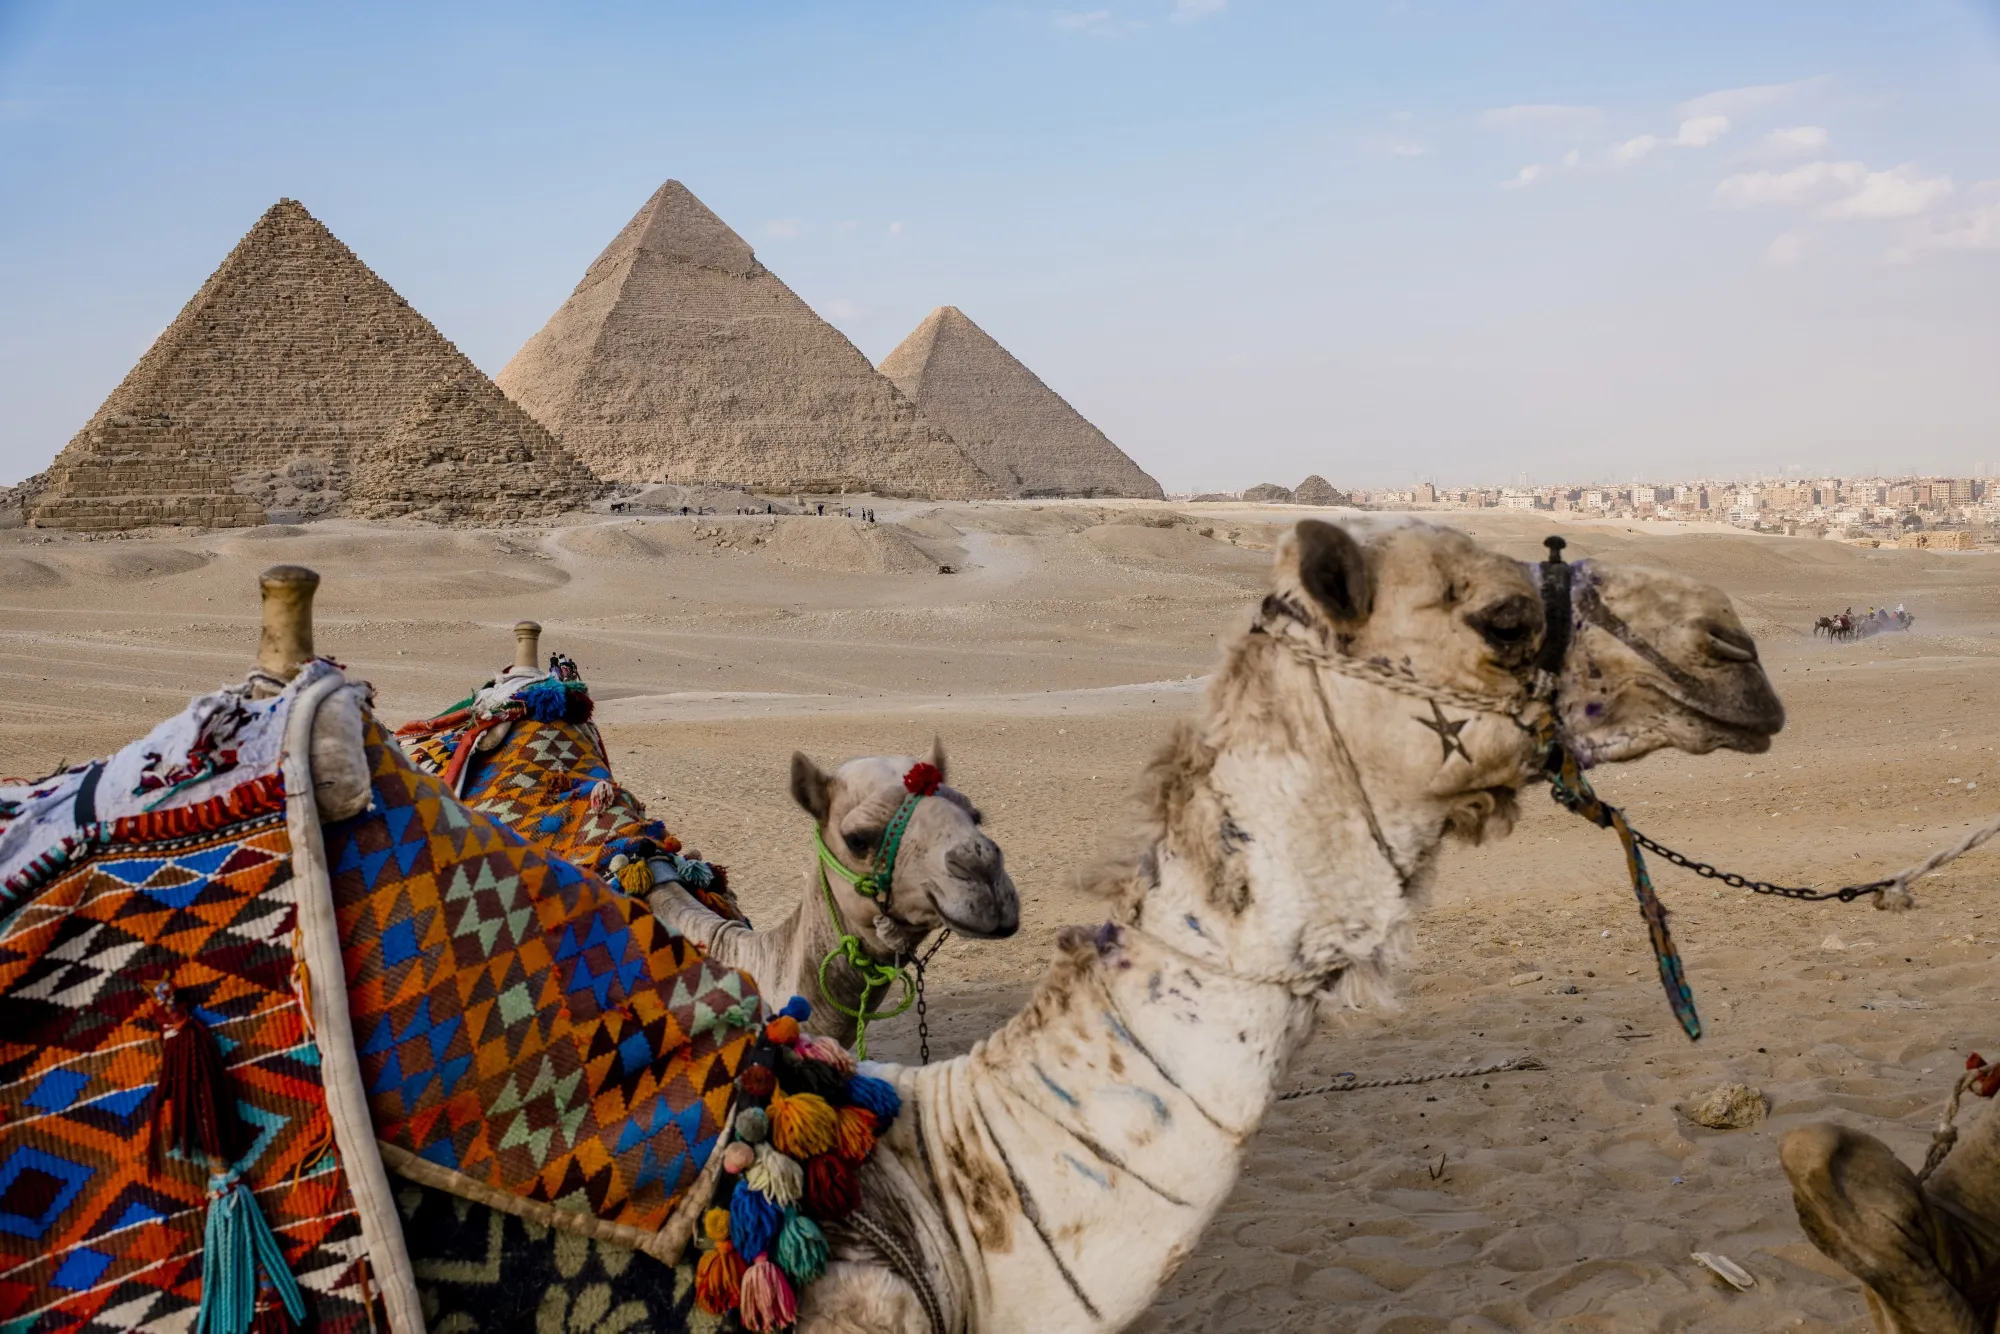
(680, 358)
(1017, 429)
(295, 351)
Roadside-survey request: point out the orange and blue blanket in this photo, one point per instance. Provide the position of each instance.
(524, 1034)
(549, 778)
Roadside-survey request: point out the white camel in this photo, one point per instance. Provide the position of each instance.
(1055, 1176)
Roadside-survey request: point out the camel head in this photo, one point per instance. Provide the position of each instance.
(1414, 652)
(947, 871)
(1431, 610)
(1656, 660)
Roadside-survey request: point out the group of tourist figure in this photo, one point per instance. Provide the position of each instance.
(1877, 619)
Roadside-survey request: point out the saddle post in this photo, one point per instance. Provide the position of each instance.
(285, 642)
(527, 647)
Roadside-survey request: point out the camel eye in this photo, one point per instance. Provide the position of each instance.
(862, 842)
(1512, 626)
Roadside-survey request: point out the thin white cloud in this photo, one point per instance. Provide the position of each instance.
(1789, 248)
(1796, 141)
(1970, 229)
(1547, 117)
(1736, 102)
(1572, 158)
(1701, 131)
(783, 229)
(1900, 192)
(846, 226)
(1847, 190)
(895, 229)
(840, 308)
(1194, 11)
(1407, 148)
(1634, 150)
(1526, 177)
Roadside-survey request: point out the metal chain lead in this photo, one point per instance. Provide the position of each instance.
(1846, 894)
(923, 1006)
(1800, 893)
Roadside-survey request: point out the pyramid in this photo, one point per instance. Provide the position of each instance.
(462, 452)
(1017, 429)
(680, 358)
(292, 350)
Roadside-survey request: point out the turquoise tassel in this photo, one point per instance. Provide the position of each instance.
(236, 1244)
(801, 1248)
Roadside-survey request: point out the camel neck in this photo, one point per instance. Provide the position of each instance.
(1082, 1148)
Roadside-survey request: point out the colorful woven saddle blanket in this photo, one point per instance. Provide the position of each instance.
(523, 1026)
(148, 896)
(523, 748)
(195, 1112)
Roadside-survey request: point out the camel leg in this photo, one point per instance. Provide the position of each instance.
(1863, 1208)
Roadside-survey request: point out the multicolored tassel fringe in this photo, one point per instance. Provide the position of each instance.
(805, 1120)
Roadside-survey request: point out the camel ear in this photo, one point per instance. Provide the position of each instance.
(1333, 569)
(812, 787)
(937, 757)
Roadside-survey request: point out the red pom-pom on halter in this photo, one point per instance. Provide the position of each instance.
(923, 779)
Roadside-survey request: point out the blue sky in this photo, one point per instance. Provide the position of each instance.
(1380, 241)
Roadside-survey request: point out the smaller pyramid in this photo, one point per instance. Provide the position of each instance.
(463, 452)
(1018, 430)
(680, 358)
(1316, 490)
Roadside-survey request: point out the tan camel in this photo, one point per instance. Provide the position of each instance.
(1927, 1252)
(1055, 1176)
(945, 872)
(942, 871)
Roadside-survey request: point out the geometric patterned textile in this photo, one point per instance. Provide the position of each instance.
(91, 1236)
(480, 1269)
(540, 779)
(522, 1025)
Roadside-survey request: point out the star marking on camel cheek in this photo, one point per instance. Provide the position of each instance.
(1447, 732)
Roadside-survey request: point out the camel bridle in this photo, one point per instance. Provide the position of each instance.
(876, 884)
(1530, 708)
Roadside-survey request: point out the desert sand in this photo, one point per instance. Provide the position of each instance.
(1052, 663)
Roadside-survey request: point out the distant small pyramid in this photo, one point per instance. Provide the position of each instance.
(463, 452)
(1017, 429)
(680, 358)
(293, 349)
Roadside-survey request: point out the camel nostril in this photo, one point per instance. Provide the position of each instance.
(1730, 645)
(975, 862)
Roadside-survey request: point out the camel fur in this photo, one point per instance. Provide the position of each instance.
(1927, 1253)
(948, 874)
(1054, 1177)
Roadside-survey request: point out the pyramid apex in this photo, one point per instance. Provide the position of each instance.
(675, 225)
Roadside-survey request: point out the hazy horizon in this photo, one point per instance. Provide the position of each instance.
(1251, 241)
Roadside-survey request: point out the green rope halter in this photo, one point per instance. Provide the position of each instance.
(871, 884)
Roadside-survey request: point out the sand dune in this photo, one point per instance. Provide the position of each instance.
(1052, 666)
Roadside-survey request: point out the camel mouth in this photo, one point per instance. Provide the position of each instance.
(995, 913)
(1748, 717)
(1001, 932)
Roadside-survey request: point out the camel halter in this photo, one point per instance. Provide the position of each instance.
(873, 884)
(1288, 624)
